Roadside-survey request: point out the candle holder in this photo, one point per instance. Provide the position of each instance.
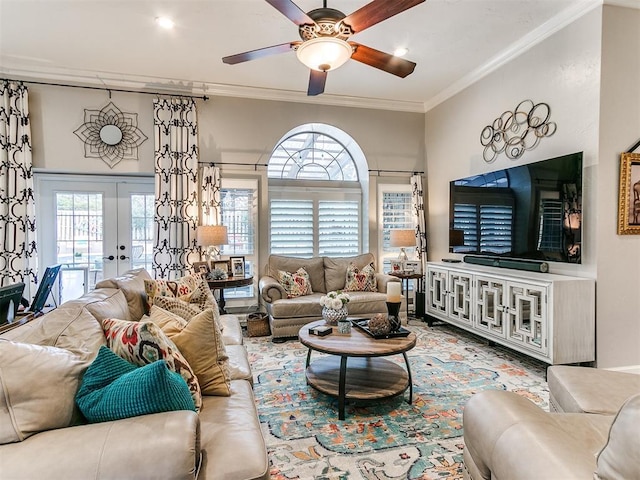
(394, 315)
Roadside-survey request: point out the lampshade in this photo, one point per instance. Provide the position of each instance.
(207, 235)
(324, 53)
(403, 238)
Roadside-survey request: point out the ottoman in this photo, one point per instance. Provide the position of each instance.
(589, 390)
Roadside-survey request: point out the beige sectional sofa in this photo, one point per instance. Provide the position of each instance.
(287, 315)
(222, 441)
(592, 432)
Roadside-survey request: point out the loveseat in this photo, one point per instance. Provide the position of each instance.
(591, 433)
(42, 364)
(287, 314)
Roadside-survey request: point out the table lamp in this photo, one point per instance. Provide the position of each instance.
(403, 238)
(212, 237)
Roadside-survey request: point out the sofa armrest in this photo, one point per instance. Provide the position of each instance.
(270, 289)
(162, 445)
(382, 279)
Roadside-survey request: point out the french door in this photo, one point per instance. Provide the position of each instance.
(95, 226)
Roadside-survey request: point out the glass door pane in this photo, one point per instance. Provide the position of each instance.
(136, 207)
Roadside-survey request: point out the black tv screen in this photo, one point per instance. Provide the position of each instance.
(531, 212)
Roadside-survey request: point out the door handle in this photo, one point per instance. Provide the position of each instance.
(110, 257)
(123, 257)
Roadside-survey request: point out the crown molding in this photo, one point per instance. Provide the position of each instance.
(533, 38)
(163, 86)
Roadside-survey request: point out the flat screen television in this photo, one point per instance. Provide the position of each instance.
(527, 212)
(10, 296)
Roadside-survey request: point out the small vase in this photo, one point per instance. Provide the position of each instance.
(332, 316)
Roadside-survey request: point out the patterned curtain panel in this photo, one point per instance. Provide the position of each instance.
(18, 257)
(417, 201)
(210, 190)
(176, 173)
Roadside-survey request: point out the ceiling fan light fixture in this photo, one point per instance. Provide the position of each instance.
(324, 53)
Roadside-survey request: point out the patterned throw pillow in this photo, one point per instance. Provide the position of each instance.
(170, 323)
(192, 289)
(295, 284)
(113, 388)
(200, 341)
(360, 280)
(142, 343)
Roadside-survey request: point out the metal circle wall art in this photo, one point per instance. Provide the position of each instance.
(110, 134)
(515, 132)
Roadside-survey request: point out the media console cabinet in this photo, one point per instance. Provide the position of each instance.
(546, 316)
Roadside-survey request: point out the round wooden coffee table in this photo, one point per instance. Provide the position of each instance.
(354, 369)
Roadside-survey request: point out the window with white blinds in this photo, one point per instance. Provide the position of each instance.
(239, 212)
(315, 196)
(396, 212)
(316, 227)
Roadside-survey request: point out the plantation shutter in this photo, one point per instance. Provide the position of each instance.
(495, 228)
(338, 228)
(292, 227)
(550, 239)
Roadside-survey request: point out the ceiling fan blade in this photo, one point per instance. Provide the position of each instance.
(383, 61)
(259, 53)
(291, 11)
(377, 11)
(316, 82)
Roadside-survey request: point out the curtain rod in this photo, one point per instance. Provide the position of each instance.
(51, 84)
(413, 172)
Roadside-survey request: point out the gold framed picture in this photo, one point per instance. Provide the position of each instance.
(629, 199)
(201, 267)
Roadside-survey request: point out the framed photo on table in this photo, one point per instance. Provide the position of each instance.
(201, 267)
(237, 266)
(222, 265)
(396, 266)
(412, 266)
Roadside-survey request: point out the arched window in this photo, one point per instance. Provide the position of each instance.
(318, 183)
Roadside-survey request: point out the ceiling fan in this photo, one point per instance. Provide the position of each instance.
(324, 46)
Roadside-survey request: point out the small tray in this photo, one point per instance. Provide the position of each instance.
(363, 324)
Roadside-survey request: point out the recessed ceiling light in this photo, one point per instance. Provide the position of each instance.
(165, 22)
(400, 52)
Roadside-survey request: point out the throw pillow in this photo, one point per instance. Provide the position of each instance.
(170, 323)
(37, 389)
(295, 284)
(174, 305)
(142, 343)
(360, 280)
(200, 341)
(132, 284)
(113, 388)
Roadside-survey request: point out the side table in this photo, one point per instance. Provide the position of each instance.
(404, 280)
(230, 282)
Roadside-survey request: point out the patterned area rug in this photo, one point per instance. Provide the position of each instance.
(388, 439)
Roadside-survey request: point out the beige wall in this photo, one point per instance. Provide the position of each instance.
(618, 256)
(563, 71)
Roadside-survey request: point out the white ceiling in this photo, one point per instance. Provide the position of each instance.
(118, 44)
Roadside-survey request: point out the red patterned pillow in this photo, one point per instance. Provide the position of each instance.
(142, 343)
(361, 280)
(295, 284)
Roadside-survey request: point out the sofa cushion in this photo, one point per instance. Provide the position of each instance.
(142, 343)
(620, 458)
(132, 285)
(113, 388)
(200, 341)
(71, 327)
(335, 269)
(313, 266)
(296, 284)
(38, 385)
(360, 279)
(102, 307)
